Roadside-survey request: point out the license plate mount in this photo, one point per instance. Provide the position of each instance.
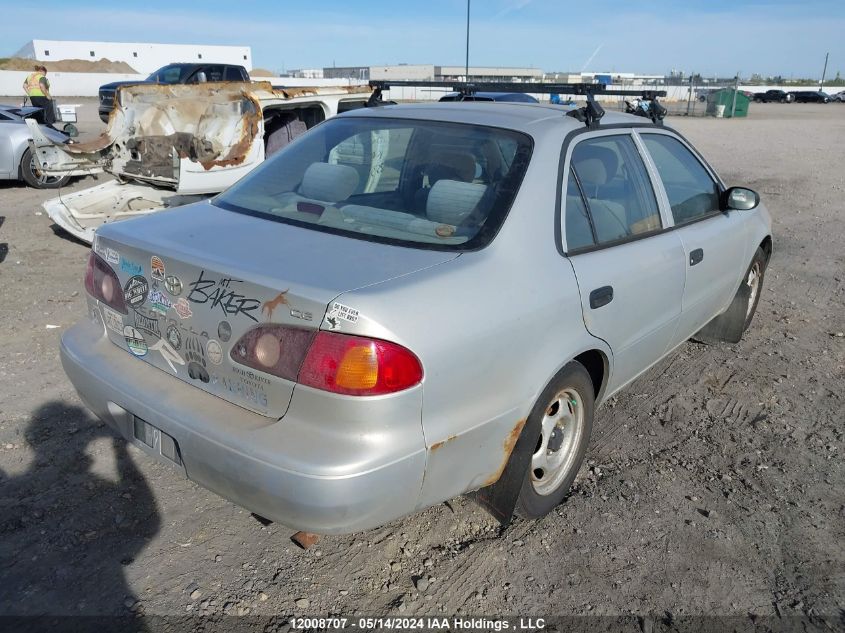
(157, 441)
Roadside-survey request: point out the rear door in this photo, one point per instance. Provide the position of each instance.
(714, 242)
(630, 270)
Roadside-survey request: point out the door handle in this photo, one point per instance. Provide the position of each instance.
(601, 297)
(696, 256)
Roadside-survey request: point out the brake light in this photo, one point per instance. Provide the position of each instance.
(101, 282)
(340, 363)
(359, 366)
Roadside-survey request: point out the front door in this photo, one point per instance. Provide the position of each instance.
(630, 270)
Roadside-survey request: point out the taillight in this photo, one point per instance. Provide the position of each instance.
(273, 349)
(102, 283)
(359, 366)
(340, 363)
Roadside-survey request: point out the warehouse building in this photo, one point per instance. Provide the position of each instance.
(430, 72)
(143, 57)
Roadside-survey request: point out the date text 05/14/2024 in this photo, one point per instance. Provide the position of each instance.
(420, 623)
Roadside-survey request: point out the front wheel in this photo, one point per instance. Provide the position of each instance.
(565, 413)
(753, 283)
(34, 177)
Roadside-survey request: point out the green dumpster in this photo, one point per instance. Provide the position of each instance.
(725, 97)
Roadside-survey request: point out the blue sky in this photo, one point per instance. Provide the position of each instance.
(646, 36)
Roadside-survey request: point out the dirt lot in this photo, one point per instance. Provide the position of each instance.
(714, 486)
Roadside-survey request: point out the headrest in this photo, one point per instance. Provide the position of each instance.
(450, 201)
(595, 165)
(330, 183)
(452, 166)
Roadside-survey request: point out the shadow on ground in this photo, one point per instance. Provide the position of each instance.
(66, 553)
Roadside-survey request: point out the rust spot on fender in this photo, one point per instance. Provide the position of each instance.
(510, 442)
(438, 445)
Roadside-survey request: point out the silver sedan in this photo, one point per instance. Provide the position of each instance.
(413, 302)
(16, 159)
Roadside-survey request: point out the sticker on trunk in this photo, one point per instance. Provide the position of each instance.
(107, 253)
(214, 352)
(143, 322)
(340, 312)
(224, 331)
(159, 302)
(112, 319)
(135, 341)
(183, 308)
(173, 285)
(173, 336)
(128, 266)
(168, 353)
(156, 268)
(135, 291)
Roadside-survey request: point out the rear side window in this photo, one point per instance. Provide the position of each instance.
(609, 182)
(421, 183)
(233, 73)
(691, 190)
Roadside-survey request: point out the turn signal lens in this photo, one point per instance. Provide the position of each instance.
(359, 366)
(101, 282)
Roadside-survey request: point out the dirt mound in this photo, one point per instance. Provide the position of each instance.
(262, 72)
(68, 65)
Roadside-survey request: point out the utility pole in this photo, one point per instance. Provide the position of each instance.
(466, 70)
(736, 89)
(821, 83)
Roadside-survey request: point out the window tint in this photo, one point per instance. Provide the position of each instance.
(213, 73)
(167, 75)
(578, 231)
(233, 73)
(618, 192)
(692, 192)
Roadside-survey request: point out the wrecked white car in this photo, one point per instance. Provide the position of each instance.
(170, 145)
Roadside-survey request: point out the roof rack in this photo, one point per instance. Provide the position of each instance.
(590, 114)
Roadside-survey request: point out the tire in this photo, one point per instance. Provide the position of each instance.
(34, 178)
(565, 414)
(753, 284)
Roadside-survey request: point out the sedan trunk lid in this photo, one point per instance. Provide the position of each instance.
(197, 279)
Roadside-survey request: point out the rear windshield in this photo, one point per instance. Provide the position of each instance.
(420, 183)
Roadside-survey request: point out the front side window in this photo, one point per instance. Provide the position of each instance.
(691, 190)
(613, 188)
(167, 75)
(442, 185)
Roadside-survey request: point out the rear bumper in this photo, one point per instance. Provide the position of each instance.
(313, 473)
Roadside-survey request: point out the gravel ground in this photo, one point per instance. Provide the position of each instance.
(713, 485)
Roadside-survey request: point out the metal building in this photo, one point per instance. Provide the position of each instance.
(143, 57)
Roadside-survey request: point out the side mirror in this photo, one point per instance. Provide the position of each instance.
(740, 199)
(201, 78)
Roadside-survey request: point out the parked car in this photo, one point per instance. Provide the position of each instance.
(17, 161)
(410, 303)
(214, 136)
(776, 96)
(811, 96)
(839, 96)
(173, 74)
(508, 97)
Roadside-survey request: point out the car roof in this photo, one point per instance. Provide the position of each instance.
(524, 117)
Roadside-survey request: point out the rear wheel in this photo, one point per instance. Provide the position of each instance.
(34, 177)
(565, 412)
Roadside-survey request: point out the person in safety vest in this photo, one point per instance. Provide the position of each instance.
(37, 88)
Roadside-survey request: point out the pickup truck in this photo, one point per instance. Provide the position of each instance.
(168, 145)
(777, 96)
(173, 74)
